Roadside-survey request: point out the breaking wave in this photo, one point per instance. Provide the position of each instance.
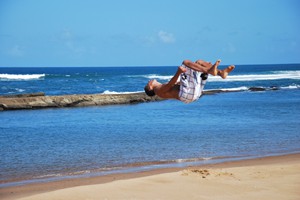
(256, 88)
(260, 77)
(8, 77)
(249, 77)
(114, 92)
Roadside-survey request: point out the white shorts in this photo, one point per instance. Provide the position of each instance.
(191, 85)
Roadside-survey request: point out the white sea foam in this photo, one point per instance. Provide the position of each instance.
(260, 77)
(291, 87)
(276, 75)
(49, 175)
(242, 88)
(21, 76)
(113, 92)
(208, 158)
(194, 159)
(19, 90)
(188, 160)
(156, 76)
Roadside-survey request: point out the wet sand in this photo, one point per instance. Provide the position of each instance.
(276, 177)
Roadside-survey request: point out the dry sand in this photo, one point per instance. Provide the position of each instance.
(265, 178)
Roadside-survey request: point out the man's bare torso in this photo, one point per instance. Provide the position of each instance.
(172, 93)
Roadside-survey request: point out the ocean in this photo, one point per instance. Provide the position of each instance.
(53, 144)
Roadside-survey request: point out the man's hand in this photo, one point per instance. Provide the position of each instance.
(181, 69)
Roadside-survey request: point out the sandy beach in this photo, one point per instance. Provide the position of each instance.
(276, 177)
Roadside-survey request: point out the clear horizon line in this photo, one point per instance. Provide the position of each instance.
(140, 65)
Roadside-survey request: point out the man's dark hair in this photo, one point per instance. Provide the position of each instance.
(150, 93)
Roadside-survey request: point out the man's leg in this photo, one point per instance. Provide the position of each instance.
(204, 63)
(197, 67)
(208, 68)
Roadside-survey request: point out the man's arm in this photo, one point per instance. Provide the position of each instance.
(174, 79)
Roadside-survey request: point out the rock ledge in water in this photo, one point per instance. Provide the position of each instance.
(39, 100)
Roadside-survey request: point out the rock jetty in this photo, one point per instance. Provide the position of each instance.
(40, 100)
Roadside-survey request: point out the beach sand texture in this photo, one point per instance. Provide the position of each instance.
(264, 178)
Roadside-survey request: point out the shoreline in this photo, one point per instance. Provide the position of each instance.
(66, 184)
(131, 169)
(125, 169)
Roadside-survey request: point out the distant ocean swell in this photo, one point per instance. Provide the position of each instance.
(143, 78)
(273, 75)
(123, 80)
(276, 75)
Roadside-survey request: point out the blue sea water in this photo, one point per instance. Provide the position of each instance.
(39, 145)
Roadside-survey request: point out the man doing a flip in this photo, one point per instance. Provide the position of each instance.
(193, 76)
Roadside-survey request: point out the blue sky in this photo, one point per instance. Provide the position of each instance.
(148, 33)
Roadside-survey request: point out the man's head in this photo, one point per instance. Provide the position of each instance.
(149, 88)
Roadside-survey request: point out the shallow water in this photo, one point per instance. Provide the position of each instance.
(53, 142)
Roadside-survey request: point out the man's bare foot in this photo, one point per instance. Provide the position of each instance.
(224, 73)
(214, 69)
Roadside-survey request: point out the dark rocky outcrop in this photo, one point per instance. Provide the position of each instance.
(255, 89)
